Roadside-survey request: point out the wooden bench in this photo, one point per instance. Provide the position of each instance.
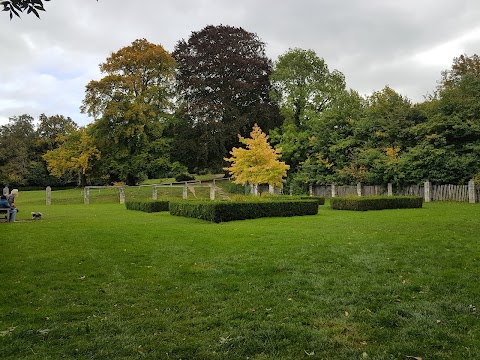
(5, 214)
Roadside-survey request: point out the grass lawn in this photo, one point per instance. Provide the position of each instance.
(100, 282)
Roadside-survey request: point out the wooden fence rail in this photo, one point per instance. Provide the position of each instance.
(449, 192)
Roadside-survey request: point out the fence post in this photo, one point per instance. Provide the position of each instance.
(122, 195)
(390, 189)
(6, 190)
(427, 191)
(359, 189)
(271, 189)
(49, 195)
(212, 192)
(334, 190)
(310, 190)
(154, 192)
(86, 195)
(185, 191)
(471, 191)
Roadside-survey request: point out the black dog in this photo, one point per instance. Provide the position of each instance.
(36, 216)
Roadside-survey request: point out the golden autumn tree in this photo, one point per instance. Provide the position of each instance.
(257, 163)
(73, 155)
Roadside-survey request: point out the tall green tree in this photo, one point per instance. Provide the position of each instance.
(223, 82)
(131, 105)
(303, 85)
(17, 144)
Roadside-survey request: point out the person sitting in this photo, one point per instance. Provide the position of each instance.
(4, 204)
(11, 198)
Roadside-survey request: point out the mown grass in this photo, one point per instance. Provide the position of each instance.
(101, 282)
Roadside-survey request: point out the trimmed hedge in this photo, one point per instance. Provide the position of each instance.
(147, 206)
(376, 202)
(216, 211)
(319, 199)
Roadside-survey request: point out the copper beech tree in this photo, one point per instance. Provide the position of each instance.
(257, 163)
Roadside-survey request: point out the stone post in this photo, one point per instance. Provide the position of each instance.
(49, 195)
(390, 189)
(334, 190)
(86, 195)
(271, 189)
(154, 192)
(471, 192)
(310, 190)
(212, 192)
(185, 191)
(6, 190)
(359, 189)
(122, 195)
(427, 191)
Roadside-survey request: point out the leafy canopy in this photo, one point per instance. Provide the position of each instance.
(258, 163)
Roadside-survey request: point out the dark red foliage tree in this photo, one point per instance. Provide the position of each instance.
(223, 82)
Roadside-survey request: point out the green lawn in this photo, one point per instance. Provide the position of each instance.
(100, 282)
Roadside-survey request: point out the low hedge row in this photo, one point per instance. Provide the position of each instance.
(147, 206)
(217, 211)
(376, 202)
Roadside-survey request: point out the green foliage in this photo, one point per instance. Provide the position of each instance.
(215, 211)
(184, 177)
(232, 188)
(147, 206)
(376, 202)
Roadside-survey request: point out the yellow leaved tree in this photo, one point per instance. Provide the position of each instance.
(258, 163)
(74, 154)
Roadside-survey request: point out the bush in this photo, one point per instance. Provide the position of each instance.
(184, 177)
(319, 199)
(232, 188)
(147, 206)
(376, 202)
(217, 211)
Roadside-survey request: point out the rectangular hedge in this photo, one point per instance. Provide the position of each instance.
(376, 202)
(147, 206)
(222, 211)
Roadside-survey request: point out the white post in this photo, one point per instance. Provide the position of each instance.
(49, 195)
(334, 190)
(271, 189)
(427, 191)
(86, 195)
(310, 190)
(154, 192)
(359, 189)
(255, 189)
(471, 192)
(212, 192)
(390, 189)
(122, 195)
(185, 191)
(6, 190)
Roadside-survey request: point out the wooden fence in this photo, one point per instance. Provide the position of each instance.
(462, 193)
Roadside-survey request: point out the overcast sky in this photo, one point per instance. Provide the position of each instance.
(405, 44)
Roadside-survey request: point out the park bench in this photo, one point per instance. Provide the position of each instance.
(5, 214)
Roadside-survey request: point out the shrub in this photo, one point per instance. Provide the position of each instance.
(232, 188)
(147, 206)
(184, 177)
(217, 211)
(376, 202)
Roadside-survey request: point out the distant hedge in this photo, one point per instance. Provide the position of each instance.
(376, 202)
(319, 199)
(223, 211)
(147, 206)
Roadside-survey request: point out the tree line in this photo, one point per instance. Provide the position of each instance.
(158, 114)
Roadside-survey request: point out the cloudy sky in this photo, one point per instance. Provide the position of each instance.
(45, 64)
